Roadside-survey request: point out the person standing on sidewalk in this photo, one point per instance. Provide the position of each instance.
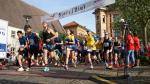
(137, 49)
(130, 50)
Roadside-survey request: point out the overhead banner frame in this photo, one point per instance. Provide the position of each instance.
(93, 4)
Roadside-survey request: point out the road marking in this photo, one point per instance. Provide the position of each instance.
(103, 80)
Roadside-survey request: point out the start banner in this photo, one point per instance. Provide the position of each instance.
(92, 4)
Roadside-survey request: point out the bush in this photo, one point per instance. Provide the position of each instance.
(145, 60)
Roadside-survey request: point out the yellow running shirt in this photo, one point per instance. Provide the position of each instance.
(90, 42)
(71, 38)
(99, 45)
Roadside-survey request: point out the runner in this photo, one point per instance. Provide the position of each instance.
(99, 46)
(107, 46)
(58, 49)
(123, 53)
(48, 47)
(74, 50)
(33, 44)
(70, 42)
(83, 51)
(79, 51)
(91, 48)
(40, 60)
(23, 52)
(116, 51)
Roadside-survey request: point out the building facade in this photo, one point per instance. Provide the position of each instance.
(78, 29)
(14, 11)
(12, 38)
(104, 21)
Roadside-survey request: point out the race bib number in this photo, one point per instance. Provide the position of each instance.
(89, 49)
(31, 42)
(116, 48)
(85, 48)
(106, 44)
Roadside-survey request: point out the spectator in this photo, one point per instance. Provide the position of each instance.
(137, 49)
(130, 50)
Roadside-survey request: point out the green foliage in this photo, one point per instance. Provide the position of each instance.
(145, 60)
(116, 23)
(80, 39)
(135, 12)
(40, 34)
(62, 36)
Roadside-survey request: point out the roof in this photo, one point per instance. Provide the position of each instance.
(75, 24)
(71, 24)
(13, 11)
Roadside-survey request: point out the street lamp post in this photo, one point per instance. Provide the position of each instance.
(27, 17)
(125, 30)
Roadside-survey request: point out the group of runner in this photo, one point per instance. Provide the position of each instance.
(49, 48)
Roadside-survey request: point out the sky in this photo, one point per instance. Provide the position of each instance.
(51, 6)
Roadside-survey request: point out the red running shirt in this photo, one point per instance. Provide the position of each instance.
(148, 51)
(130, 42)
(137, 43)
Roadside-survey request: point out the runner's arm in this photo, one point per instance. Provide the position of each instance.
(111, 45)
(55, 34)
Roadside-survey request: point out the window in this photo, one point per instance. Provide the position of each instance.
(103, 18)
(13, 34)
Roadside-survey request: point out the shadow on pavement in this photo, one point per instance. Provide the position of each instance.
(3, 81)
(65, 74)
(129, 79)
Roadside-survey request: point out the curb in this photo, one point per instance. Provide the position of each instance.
(101, 80)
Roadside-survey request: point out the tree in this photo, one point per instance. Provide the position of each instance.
(62, 36)
(136, 13)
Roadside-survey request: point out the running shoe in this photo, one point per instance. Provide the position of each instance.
(27, 69)
(91, 67)
(66, 67)
(46, 69)
(20, 69)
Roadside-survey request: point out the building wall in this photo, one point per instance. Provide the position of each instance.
(12, 35)
(101, 22)
(104, 21)
(74, 29)
(98, 25)
(108, 20)
(111, 15)
(78, 30)
(81, 31)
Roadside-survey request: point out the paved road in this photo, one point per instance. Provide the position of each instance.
(56, 75)
(5, 79)
(80, 75)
